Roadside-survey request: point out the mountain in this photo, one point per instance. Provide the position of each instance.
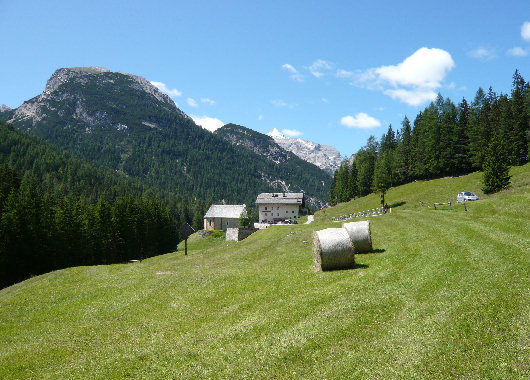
(266, 147)
(123, 122)
(325, 157)
(257, 142)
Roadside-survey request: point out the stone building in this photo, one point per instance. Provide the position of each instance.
(221, 217)
(280, 207)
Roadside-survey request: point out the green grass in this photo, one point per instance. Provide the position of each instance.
(445, 295)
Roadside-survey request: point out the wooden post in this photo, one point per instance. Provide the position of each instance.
(186, 230)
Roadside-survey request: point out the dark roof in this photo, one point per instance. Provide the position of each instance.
(280, 198)
(225, 211)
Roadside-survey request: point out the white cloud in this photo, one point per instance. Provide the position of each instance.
(413, 81)
(360, 120)
(289, 68)
(319, 66)
(525, 31)
(209, 123)
(260, 117)
(280, 103)
(413, 97)
(208, 101)
(192, 102)
(343, 74)
(295, 75)
(162, 87)
(291, 132)
(483, 54)
(517, 52)
(425, 68)
(324, 100)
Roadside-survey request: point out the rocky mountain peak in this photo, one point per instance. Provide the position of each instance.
(4, 108)
(276, 134)
(62, 75)
(325, 157)
(75, 86)
(83, 74)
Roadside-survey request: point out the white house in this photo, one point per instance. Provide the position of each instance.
(279, 207)
(221, 217)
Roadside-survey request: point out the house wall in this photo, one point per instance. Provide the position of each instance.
(271, 213)
(220, 223)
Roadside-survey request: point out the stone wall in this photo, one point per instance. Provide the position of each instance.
(237, 234)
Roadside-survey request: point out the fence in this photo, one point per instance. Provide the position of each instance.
(373, 212)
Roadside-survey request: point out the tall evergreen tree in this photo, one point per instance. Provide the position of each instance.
(365, 162)
(496, 175)
(520, 122)
(401, 162)
(382, 175)
(461, 161)
(353, 184)
(475, 141)
(447, 139)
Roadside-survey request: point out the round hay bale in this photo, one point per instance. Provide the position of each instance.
(360, 236)
(332, 249)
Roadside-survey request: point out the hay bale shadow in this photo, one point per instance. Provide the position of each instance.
(354, 266)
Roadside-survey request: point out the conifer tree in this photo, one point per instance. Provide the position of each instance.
(353, 185)
(496, 175)
(382, 175)
(461, 162)
(520, 132)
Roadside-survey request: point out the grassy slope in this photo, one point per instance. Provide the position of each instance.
(445, 295)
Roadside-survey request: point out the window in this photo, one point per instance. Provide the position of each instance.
(265, 207)
(293, 211)
(277, 208)
(278, 214)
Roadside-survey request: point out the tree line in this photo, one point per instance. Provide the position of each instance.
(58, 211)
(491, 134)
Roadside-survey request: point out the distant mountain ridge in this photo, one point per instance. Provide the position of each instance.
(123, 122)
(266, 147)
(257, 142)
(325, 157)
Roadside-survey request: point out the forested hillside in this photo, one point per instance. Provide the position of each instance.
(57, 211)
(288, 164)
(123, 122)
(444, 140)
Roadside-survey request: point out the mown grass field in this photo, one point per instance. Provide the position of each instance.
(446, 294)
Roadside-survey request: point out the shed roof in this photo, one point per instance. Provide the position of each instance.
(225, 211)
(280, 198)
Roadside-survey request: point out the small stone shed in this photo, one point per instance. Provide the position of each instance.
(221, 217)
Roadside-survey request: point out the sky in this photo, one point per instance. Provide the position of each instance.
(333, 72)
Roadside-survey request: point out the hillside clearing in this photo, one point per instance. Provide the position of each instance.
(445, 294)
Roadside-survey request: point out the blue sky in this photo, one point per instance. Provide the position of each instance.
(333, 72)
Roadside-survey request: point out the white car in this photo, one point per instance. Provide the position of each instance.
(466, 196)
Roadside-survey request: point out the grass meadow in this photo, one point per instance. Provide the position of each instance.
(445, 294)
